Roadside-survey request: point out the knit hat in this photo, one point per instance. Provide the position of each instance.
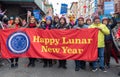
(96, 17)
(81, 18)
(49, 18)
(105, 18)
(88, 19)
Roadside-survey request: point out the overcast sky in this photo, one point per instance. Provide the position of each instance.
(57, 4)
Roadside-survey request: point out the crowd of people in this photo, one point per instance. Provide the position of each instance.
(105, 42)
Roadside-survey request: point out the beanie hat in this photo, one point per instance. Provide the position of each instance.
(81, 18)
(96, 17)
(49, 18)
(105, 18)
(88, 19)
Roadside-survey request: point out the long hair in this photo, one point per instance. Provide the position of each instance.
(20, 21)
(64, 20)
(34, 19)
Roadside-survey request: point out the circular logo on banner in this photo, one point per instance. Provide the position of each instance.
(18, 42)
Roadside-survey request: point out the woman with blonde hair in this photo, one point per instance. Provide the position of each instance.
(32, 24)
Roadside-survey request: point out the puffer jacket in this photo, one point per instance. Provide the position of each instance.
(101, 33)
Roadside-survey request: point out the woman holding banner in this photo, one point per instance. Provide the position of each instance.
(62, 25)
(103, 30)
(80, 63)
(17, 23)
(88, 21)
(48, 25)
(32, 24)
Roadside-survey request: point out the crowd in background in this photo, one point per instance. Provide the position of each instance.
(105, 43)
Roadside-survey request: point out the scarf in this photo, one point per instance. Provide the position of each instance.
(72, 23)
(32, 25)
(16, 26)
(47, 26)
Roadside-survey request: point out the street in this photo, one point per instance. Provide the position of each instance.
(59, 29)
(39, 71)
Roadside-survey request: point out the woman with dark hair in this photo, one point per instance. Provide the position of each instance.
(55, 21)
(42, 24)
(80, 64)
(32, 24)
(88, 21)
(62, 25)
(17, 23)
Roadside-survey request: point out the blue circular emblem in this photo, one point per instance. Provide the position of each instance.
(18, 42)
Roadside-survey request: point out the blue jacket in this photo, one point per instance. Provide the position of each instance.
(110, 27)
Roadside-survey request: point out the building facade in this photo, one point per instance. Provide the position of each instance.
(116, 5)
(89, 8)
(20, 7)
(73, 10)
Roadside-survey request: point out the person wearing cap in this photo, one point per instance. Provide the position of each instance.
(48, 25)
(103, 30)
(48, 22)
(108, 39)
(88, 21)
(71, 21)
(42, 24)
(79, 63)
